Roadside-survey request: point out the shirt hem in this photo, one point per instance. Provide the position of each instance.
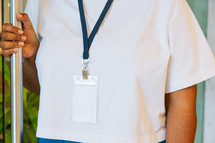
(96, 138)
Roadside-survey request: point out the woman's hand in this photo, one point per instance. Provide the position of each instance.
(12, 38)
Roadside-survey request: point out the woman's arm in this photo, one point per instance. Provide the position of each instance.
(30, 78)
(181, 115)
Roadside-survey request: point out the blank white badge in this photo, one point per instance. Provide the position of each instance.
(84, 101)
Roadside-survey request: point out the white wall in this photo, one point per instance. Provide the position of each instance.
(209, 121)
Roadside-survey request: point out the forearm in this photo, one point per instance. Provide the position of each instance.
(181, 116)
(181, 125)
(30, 77)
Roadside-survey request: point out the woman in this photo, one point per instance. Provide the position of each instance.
(140, 82)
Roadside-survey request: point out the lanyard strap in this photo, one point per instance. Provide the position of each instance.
(88, 41)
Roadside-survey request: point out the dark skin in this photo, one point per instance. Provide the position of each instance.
(13, 38)
(181, 115)
(180, 105)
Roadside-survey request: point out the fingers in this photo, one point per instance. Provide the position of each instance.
(6, 36)
(5, 45)
(9, 48)
(8, 53)
(11, 33)
(11, 39)
(10, 43)
(23, 17)
(10, 28)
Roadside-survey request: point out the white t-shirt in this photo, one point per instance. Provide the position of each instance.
(144, 49)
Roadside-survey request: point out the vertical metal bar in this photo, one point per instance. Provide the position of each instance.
(16, 82)
(3, 79)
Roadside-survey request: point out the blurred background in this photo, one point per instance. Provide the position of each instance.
(204, 11)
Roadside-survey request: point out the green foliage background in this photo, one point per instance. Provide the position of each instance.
(30, 111)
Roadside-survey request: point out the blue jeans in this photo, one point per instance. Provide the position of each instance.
(41, 140)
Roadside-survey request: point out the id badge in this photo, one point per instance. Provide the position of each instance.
(84, 100)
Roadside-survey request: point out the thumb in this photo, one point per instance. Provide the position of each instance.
(23, 17)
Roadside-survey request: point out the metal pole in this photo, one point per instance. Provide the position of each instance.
(16, 81)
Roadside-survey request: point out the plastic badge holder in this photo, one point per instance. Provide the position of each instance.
(84, 101)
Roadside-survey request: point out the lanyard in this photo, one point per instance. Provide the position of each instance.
(88, 41)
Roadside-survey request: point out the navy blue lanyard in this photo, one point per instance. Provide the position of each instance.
(88, 41)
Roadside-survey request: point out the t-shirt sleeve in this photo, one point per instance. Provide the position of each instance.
(191, 60)
(32, 9)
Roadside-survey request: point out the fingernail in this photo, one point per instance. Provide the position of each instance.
(23, 38)
(20, 32)
(19, 15)
(15, 50)
(21, 43)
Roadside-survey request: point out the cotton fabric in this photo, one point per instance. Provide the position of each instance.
(143, 50)
(42, 140)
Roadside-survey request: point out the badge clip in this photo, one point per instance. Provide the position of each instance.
(85, 71)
